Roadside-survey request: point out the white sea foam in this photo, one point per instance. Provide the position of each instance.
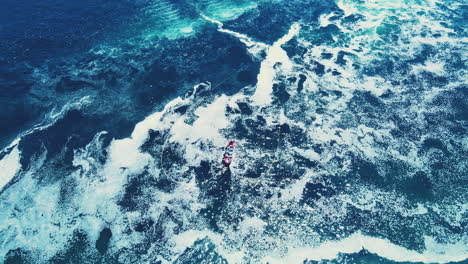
(50, 119)
(435, 253)
(125, 157)
(309, 153)
(266, 76)
(99, 187)
(254, 47)
(125, 153)
(430, 66)
(324, 19)
(187, 238)
(294, 191)
(211, 119)
(35, 228)
(274, 55)
(347, 7)
(9, 166)
(73, 105)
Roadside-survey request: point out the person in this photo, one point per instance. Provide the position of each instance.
(227, 157)
(227, 160)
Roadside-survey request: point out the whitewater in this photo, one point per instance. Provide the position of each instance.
(351, 131)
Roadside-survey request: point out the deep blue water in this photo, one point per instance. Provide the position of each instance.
(350, 119)
(47, 34)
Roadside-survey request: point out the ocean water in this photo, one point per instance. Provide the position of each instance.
(350, 117)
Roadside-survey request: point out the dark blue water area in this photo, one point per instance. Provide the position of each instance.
(33, 33)
(270, 25)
